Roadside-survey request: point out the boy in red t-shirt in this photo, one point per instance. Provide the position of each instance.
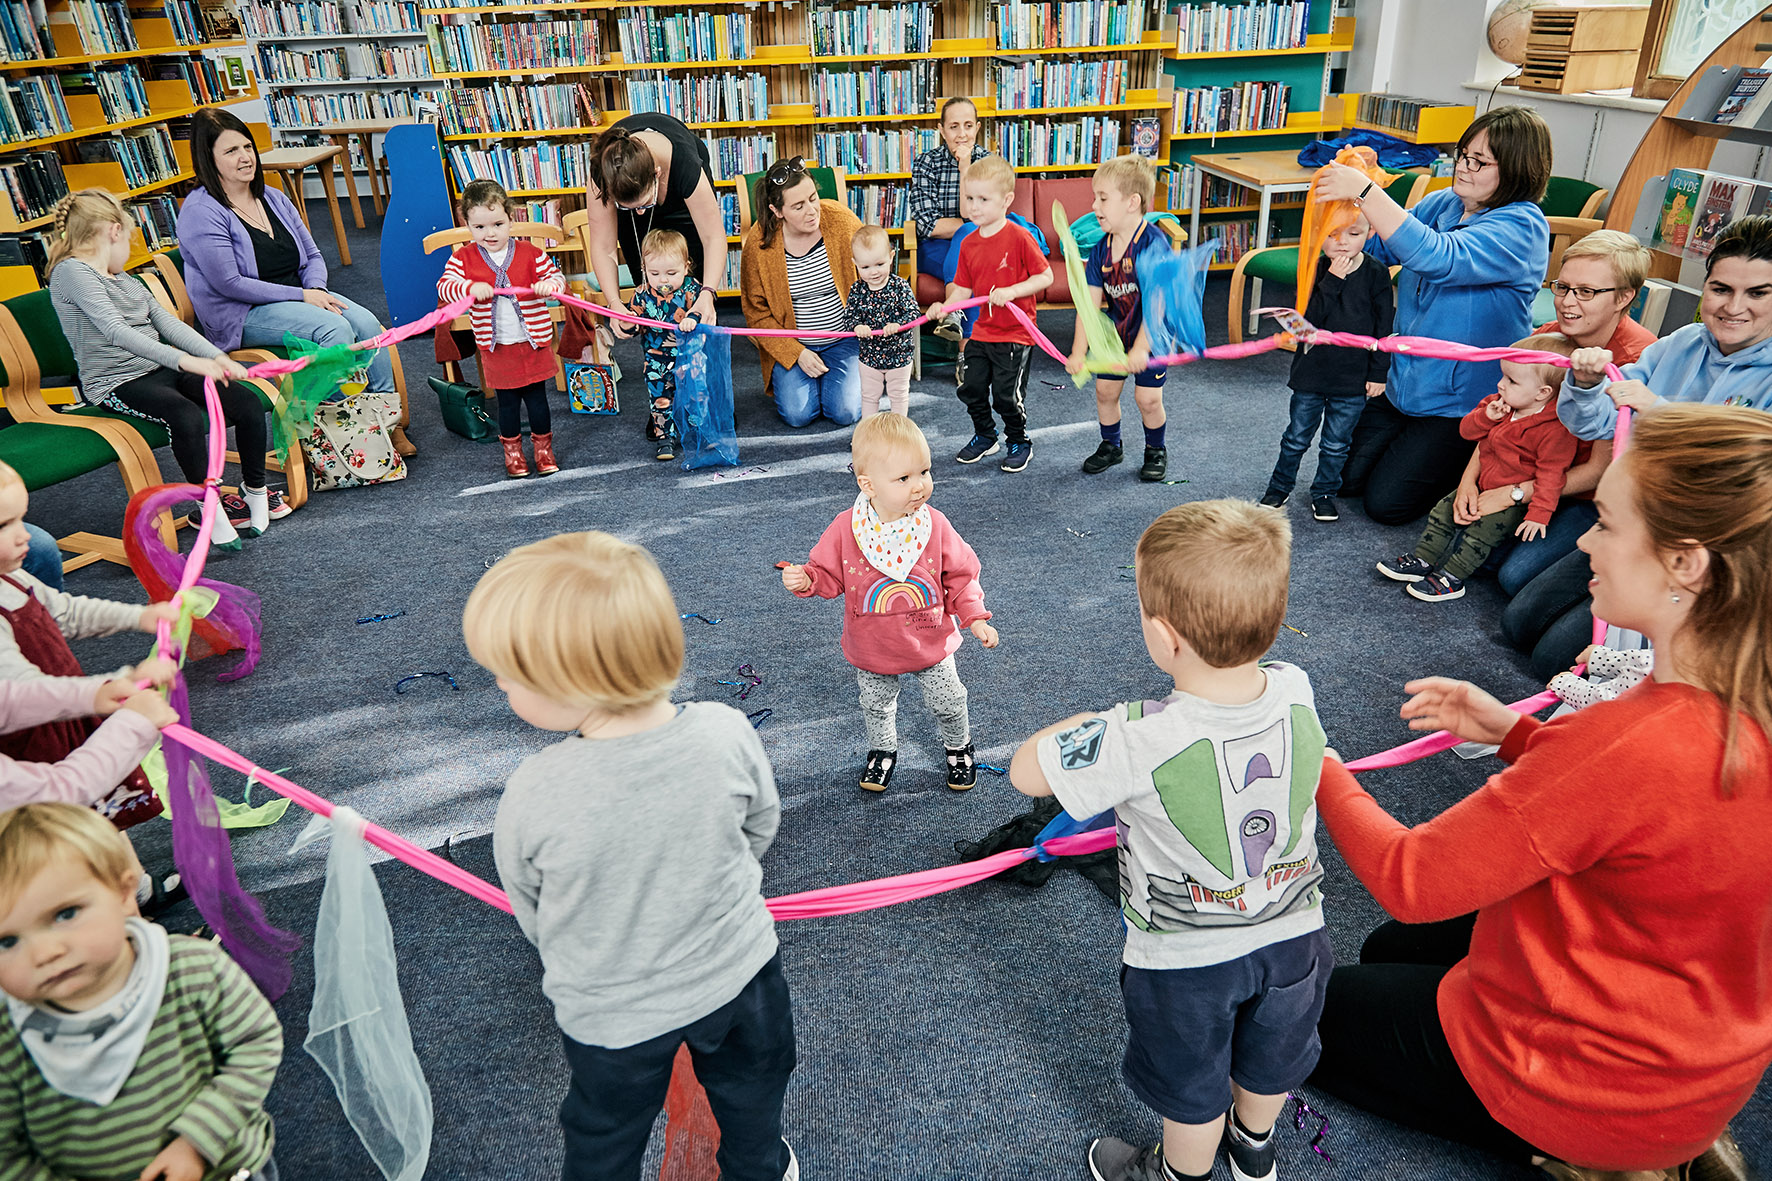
(999, 258)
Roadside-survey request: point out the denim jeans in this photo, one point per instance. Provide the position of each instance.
(1526, 560)
(266, 324)
(837, 395)
(43, 560)
(1551, 617)
(1339, 414)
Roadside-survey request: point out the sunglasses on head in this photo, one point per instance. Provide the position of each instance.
(784, 172)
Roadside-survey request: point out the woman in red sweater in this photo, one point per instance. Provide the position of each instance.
(1608, 1003)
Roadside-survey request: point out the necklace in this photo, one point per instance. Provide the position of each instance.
(261, 219)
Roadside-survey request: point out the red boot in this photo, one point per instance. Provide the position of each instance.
(515, 467)
(544, 454)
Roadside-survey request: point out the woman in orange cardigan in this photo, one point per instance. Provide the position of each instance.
(1608, 1005)
(794, 272)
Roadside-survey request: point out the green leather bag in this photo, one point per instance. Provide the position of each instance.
(464, 409)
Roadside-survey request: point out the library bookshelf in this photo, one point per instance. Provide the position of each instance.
(852, 85)
(95, 94)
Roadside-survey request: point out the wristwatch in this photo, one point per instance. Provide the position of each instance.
(1519, 494)
(1362, 197)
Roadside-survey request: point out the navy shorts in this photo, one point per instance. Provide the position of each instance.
(1254, 1020)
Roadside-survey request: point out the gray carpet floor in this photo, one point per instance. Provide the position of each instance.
(974, 1034)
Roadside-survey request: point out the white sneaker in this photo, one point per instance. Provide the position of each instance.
(793, 1173)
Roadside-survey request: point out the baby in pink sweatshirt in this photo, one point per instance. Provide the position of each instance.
(905, 577)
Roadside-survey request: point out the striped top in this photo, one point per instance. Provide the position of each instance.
(818, 305)
(203, 1074)
(528, 266)
(118, 331)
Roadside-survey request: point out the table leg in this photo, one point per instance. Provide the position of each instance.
(1261, 227)
(343, 142)
(374, 172)
(297, 189)
(1193, 232)
(327, 178)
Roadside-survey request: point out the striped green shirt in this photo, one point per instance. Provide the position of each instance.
(204, 1073)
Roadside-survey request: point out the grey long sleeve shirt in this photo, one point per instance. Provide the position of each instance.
(118, 330)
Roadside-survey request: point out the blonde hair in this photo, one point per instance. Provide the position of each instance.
(879, 434)
(1216, 572)
(991, 170)
(1131, 176)
(871, 238)
(1628, 258)
(35, 836)
(9, 475)
(662, 242)
(1704, 477)
(583, 619)
(79, 218)
(1548, 342)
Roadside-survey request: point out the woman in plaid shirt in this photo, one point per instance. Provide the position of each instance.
(935, 184)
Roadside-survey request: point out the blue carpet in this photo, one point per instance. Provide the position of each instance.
(974, 1034)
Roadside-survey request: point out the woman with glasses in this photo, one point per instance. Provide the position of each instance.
(1473, 256)
(650, 172)
(1549, 617)
(795, 269)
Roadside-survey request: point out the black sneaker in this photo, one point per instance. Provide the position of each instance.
(1323, 509)
(666, 448)
(1106, 456)
(1407, 568)
(1112, 1159)
(1019, 454)
(878, 773)
(1274, 499)
(1249, 1161)
(977, 449)
(1437, 587)
(962, 768)
(1156, 464)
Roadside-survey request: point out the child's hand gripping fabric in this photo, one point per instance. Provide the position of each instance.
(796, 579)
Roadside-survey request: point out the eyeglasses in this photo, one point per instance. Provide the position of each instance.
(1560, 289)
(1471, 164)
(783, 173)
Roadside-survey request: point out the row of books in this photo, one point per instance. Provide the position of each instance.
(103, 26)
(157, 216)
(1177, 185)
(703, 98)
(1049, 143)
(24, 31)
(145, 156)
(282, 18)
(1048, 82)
(508, 106)
(878, 90)
(1234, 238)
(122, 94)
(1239, 28)
(1398, 111)
(880, 205)
(525, 46)
(1247, 106)
(872, 28)
(386, 16)
(276, 64)
(1074, 24)
(35, 105)
(186, 19)
(861, 152)
(538, 209)
(202, 75)
(543, 164)
(1698, 206)
(299, 109)
(34, 183)
(684, 37)
(25, 250)
(728, 203)
(394, 60)
(731, 156)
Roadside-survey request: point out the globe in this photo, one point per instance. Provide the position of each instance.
(1508, 26)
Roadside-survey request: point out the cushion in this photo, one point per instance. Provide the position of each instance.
(44, 454)
(43, 332)
(1023, 200)
(929, 289)
(1564, 196)
(1275, 265)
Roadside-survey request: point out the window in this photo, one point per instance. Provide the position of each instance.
(1681, 34)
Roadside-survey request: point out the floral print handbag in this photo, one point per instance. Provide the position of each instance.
(350, 444)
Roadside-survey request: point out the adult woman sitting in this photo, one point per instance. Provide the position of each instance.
(1607, 1004)
(253, 270)
(795, 271)
(650, 172)
(1598, 280)
(935, 185)
(1725, 358)
(1473, 256)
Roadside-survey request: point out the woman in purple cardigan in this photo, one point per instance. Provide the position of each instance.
(252, 268)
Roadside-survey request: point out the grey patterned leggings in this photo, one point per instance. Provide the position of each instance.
(942, 693)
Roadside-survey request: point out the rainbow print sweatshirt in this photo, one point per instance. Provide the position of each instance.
(890, 625)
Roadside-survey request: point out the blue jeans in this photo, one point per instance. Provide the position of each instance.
(837, 395)
(1528, 559)
(43, 560)
(266, 324)
(1339, 414)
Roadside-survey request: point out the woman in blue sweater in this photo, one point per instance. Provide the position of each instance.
(1473, 256)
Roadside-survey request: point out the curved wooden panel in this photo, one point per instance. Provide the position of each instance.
(418, 205)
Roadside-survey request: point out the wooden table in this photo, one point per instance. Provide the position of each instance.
(367, 129)
(324, 161)
(1267, 173)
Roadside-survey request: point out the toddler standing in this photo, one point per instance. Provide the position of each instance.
(1124, 189)
(667, 294)
(904, 575)
(1214, 791)
(514, 334)
(1001, 259)
(1516, 441)
(882, 302)
(130, 1052)
(1330, 385)
(660, 938)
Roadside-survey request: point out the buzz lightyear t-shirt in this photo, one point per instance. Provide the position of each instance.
(1216, 806)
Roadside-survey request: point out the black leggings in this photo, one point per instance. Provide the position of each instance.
(174, 399)
(510, 410)
(1383, 1047)
(1402, 463)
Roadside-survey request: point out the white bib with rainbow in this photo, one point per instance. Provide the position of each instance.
(891, 547)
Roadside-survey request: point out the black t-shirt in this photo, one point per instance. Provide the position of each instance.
(1364, 302)
(279, 258)
(689, 163)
